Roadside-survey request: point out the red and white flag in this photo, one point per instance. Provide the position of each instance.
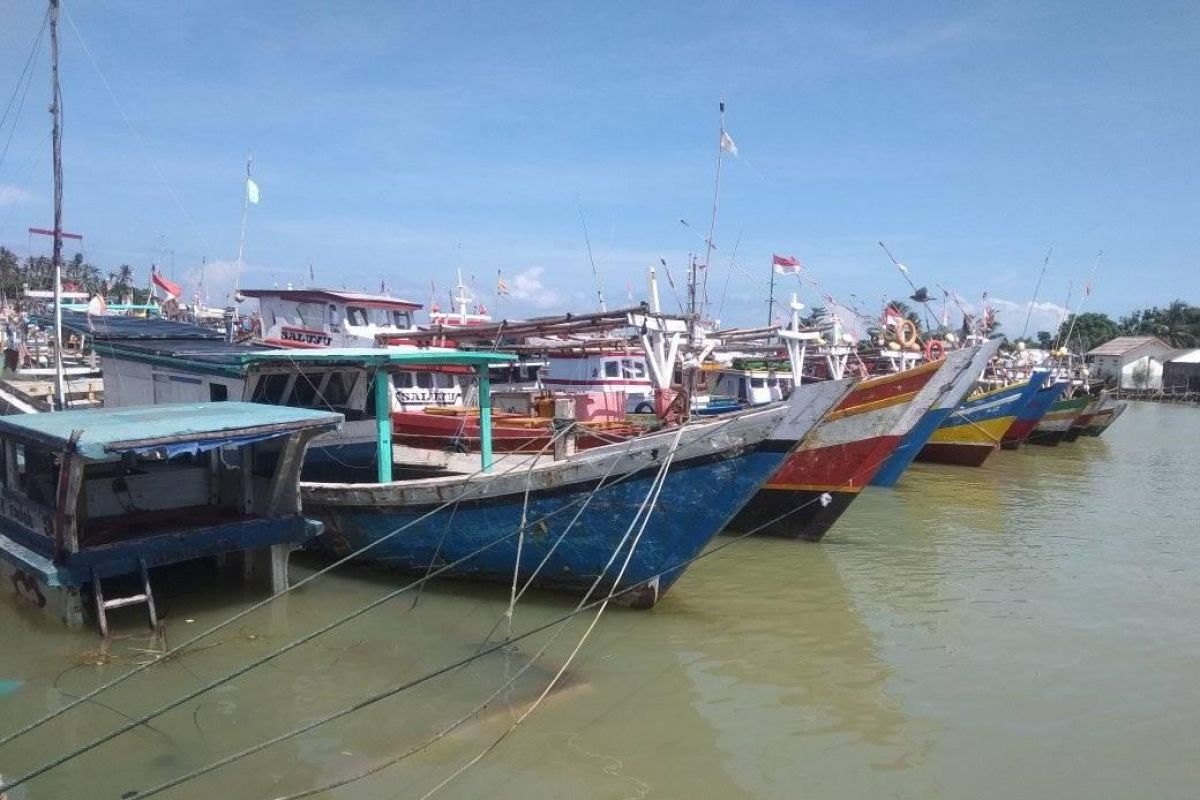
(892, 318)
(173, 289)
(785, 265)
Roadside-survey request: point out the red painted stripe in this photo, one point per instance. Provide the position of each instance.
(615, 383)
(850, 464)
(1020, 430)
(888, 386)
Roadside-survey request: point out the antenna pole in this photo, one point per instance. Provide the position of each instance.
(771, 297)
(56, 133)
(1036, 289)
(712, 223)
(588, 240)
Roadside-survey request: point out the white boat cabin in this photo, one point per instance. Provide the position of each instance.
(310, 318)
(602, 372)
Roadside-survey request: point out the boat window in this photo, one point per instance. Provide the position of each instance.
(270, 389)
(304, 391)
(218, 392)
(357, 315)
(424, 380)
(757, 383)
(612, 369)
(341, 384)
(633, 369)
(37, 474)
(312, 315)
(401, 319)
(772, 381)
(404, 380)
(335, 319)
(443, 380)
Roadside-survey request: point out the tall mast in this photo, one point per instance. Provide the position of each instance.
(1036, 289)
(60, 396)
(712, 223)
(237, 278)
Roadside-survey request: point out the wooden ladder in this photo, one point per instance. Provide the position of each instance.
(146, 596)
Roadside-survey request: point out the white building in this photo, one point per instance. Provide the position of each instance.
(1129, 362)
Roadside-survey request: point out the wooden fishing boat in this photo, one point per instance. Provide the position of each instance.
(1037, 408)
(1106, 415)
(819, 480)
(1054, 425)
(912, 443)
(974, 430)
(715, 466)
(94, 494)
(1084, 418)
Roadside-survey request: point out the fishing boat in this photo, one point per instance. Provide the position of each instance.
(1037, 408)
(559, 523)
(1110, 408)
(308, 318)
(821, 478)
(1084, 418)
(96, 494)
(974, 430)
(915, 440)
(1055, 424)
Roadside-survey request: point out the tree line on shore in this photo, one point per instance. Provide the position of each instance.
(37, 272)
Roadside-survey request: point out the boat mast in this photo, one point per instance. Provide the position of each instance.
(237, 278)
(56, 134)
(1036, 289)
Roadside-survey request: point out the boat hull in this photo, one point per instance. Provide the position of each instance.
(1031, 416)
(931, 420)
(717, 466)
(974, 431)
(1057, 422)
(820, 479)
(1109, 411)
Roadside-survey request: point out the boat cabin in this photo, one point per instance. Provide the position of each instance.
(91, 495)
(308, 318)
(605, 372)
(750, 386)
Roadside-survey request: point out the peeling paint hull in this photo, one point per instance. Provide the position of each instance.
(719, 464)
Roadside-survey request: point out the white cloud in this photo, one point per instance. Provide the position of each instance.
(14, 196)
(527, 286)
(1046, 316)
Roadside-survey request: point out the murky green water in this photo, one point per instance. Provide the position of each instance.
(1028, 629)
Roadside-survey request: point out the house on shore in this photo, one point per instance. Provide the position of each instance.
(1181, 371)
(1129, 362)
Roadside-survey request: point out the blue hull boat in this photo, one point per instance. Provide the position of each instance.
(583, 521)
(916, 438)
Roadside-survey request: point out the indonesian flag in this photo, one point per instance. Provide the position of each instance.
(173, 289)
(892, 318)
(785, 265)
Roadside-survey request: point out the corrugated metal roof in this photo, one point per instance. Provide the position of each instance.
(379, 355)
(1123, 344)
(107, 329)
(114, 430)
(325, 295)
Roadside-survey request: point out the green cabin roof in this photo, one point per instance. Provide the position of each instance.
(378, 356)
(112, 431)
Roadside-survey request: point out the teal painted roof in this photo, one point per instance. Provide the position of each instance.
(110, 431)
(381, 356)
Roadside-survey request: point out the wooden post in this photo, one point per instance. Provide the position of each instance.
(283, 482)
(485, 417)
(383, 424)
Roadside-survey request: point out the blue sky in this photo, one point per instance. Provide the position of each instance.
(397, 140)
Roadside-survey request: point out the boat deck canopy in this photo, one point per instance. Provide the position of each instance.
(377, 356)
(168, 429)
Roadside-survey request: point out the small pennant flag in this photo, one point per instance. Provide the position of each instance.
(785, 265)
(501, 286)
(727, 144)
(252, 195)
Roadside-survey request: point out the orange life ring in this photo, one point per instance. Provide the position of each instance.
(907, 327)
(931, 346)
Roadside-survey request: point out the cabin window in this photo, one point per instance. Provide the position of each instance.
(757, 383)
(443, 380)
(632, 369)
(401, 319)
(357, 315)
(304, 391)
(612, 369)
(404, 380)
(218, 392)
(424, 380)
(341, 384)
(37, 474)
(772, 382)
(312, 315)
(270, 389)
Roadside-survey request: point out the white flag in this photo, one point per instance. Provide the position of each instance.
(727, 144)
(251, 191)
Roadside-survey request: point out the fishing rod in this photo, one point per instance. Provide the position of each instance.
(1036, 289)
